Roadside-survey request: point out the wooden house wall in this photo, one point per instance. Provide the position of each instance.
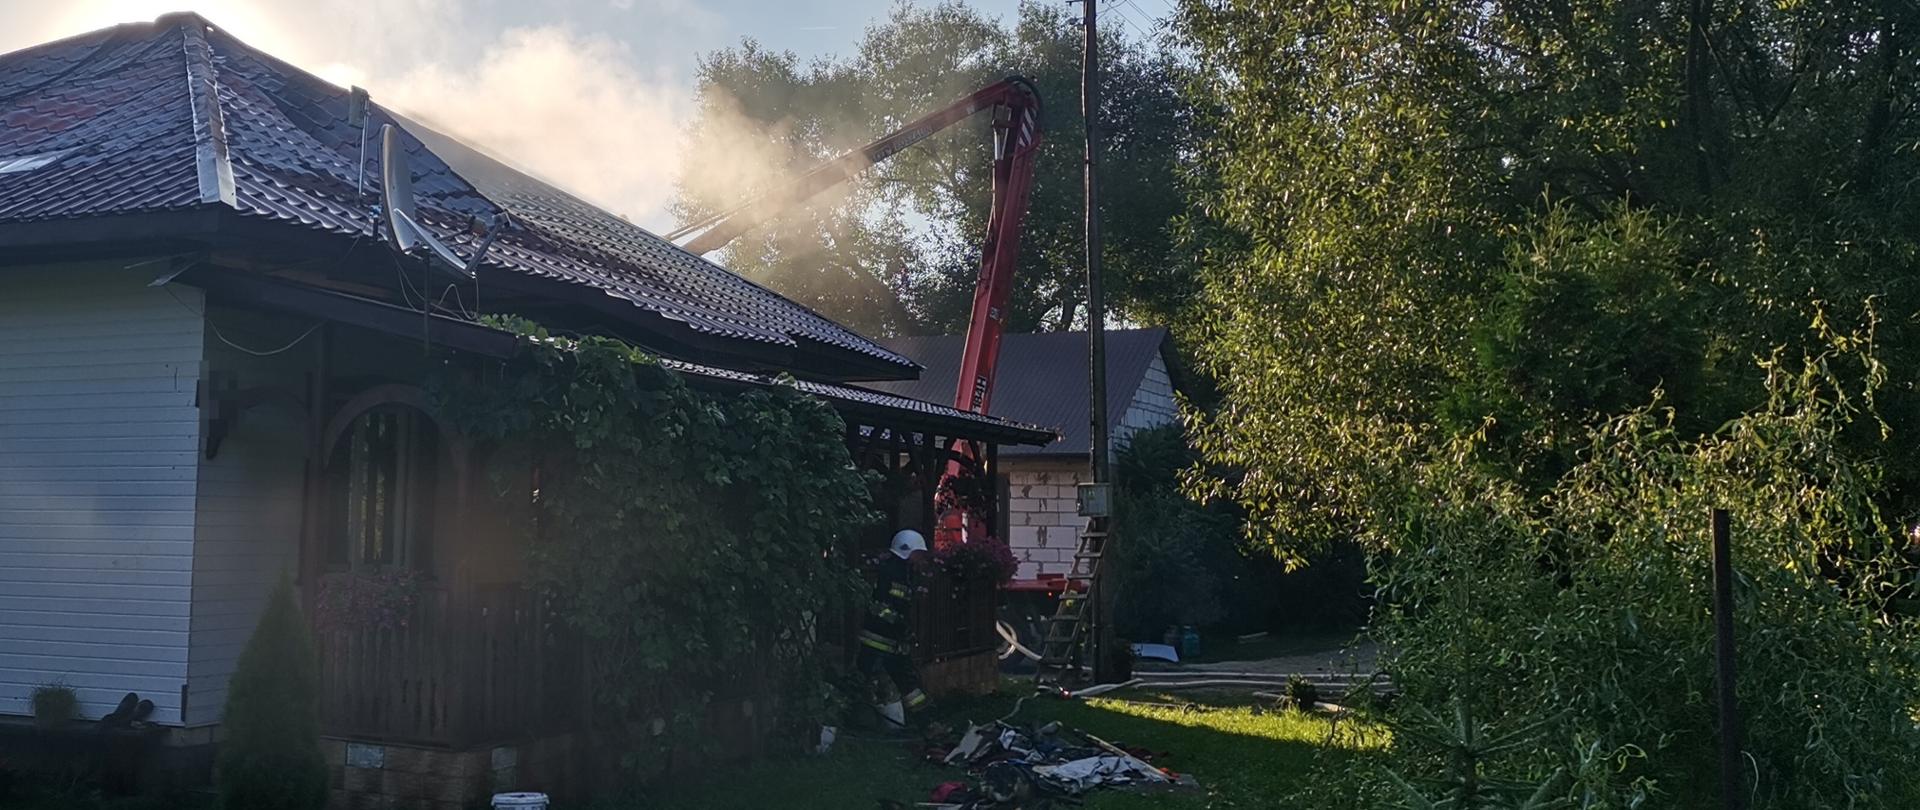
(98, 446)
(249, 498)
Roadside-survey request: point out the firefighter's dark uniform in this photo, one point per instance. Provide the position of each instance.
(884, 643)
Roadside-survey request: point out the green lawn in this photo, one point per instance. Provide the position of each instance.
(1241, 756)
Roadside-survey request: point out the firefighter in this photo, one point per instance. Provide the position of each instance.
(885, 649)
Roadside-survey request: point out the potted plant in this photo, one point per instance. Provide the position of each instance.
(54, 705)
(980, 559)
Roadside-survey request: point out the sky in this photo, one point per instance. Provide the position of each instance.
(553, 86)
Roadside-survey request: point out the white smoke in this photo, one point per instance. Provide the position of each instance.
(573, 109)
(577, 108)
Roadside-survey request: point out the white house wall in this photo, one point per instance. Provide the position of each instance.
(1043, 520)
(249, 496)
(98, 440)
(1153, 404)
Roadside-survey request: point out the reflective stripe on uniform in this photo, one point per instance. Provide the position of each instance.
(897, 591)
(880, 642)
(914, 698)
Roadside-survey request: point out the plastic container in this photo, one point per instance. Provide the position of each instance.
(520, 801)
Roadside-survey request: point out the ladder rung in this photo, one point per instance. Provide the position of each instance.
(1062, 638)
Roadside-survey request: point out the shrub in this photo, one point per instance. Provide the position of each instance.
(271, 757)
(1301, 693)
(54, 704)
(1176, 560)
(697, 541)
(1582, 617)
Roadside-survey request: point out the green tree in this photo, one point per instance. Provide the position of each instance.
(270, 759)
(897, 250)
(1426, 220)
(1512, 292)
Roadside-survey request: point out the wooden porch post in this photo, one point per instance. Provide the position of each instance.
(313, 552)
(929, 471)
(464, 657)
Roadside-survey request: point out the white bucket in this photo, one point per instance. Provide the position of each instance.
(519, 801)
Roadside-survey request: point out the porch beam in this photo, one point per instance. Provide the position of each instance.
(378, 316)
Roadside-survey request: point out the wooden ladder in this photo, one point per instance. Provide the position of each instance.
(1066, 628)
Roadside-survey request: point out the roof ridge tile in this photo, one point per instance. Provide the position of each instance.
(211, 161)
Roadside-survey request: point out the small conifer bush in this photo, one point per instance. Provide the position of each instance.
(271, 758)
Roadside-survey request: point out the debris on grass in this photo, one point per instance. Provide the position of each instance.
(1025, 767)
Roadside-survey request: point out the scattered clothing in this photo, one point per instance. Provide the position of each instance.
(1082, 775)
(1030, 768)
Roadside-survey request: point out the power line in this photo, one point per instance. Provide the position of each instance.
(1121, 7)
(222, 337)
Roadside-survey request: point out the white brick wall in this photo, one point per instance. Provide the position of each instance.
(1042, 515)
(1043, 521)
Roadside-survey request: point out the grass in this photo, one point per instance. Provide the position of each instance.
(1242, 757)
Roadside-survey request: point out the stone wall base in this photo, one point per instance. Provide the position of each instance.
(388, 776)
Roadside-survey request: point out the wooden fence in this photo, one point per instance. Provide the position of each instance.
(955, 618)
(458, 671)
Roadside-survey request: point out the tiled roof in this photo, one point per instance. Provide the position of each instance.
(177, 114)
(992, 427)
(1041, 378)
(117, 116)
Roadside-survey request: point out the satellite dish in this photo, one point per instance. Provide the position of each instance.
(403, 218)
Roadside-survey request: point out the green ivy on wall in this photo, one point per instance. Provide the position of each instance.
(695, 540)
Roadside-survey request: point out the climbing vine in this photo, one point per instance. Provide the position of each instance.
(695, 540)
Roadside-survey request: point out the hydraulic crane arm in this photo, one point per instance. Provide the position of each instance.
(1016, 96)
(1016, 144)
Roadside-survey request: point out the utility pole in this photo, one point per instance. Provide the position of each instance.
(1102, 630)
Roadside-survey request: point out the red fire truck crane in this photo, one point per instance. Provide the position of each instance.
(1016, 142)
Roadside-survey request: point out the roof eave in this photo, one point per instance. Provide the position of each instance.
(251, 290)
(110, 235)
(215, 225)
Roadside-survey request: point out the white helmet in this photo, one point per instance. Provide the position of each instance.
(906, 542)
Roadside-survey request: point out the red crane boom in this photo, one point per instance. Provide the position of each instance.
(1016, 143)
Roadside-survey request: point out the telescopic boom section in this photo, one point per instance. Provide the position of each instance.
(1016, 95)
